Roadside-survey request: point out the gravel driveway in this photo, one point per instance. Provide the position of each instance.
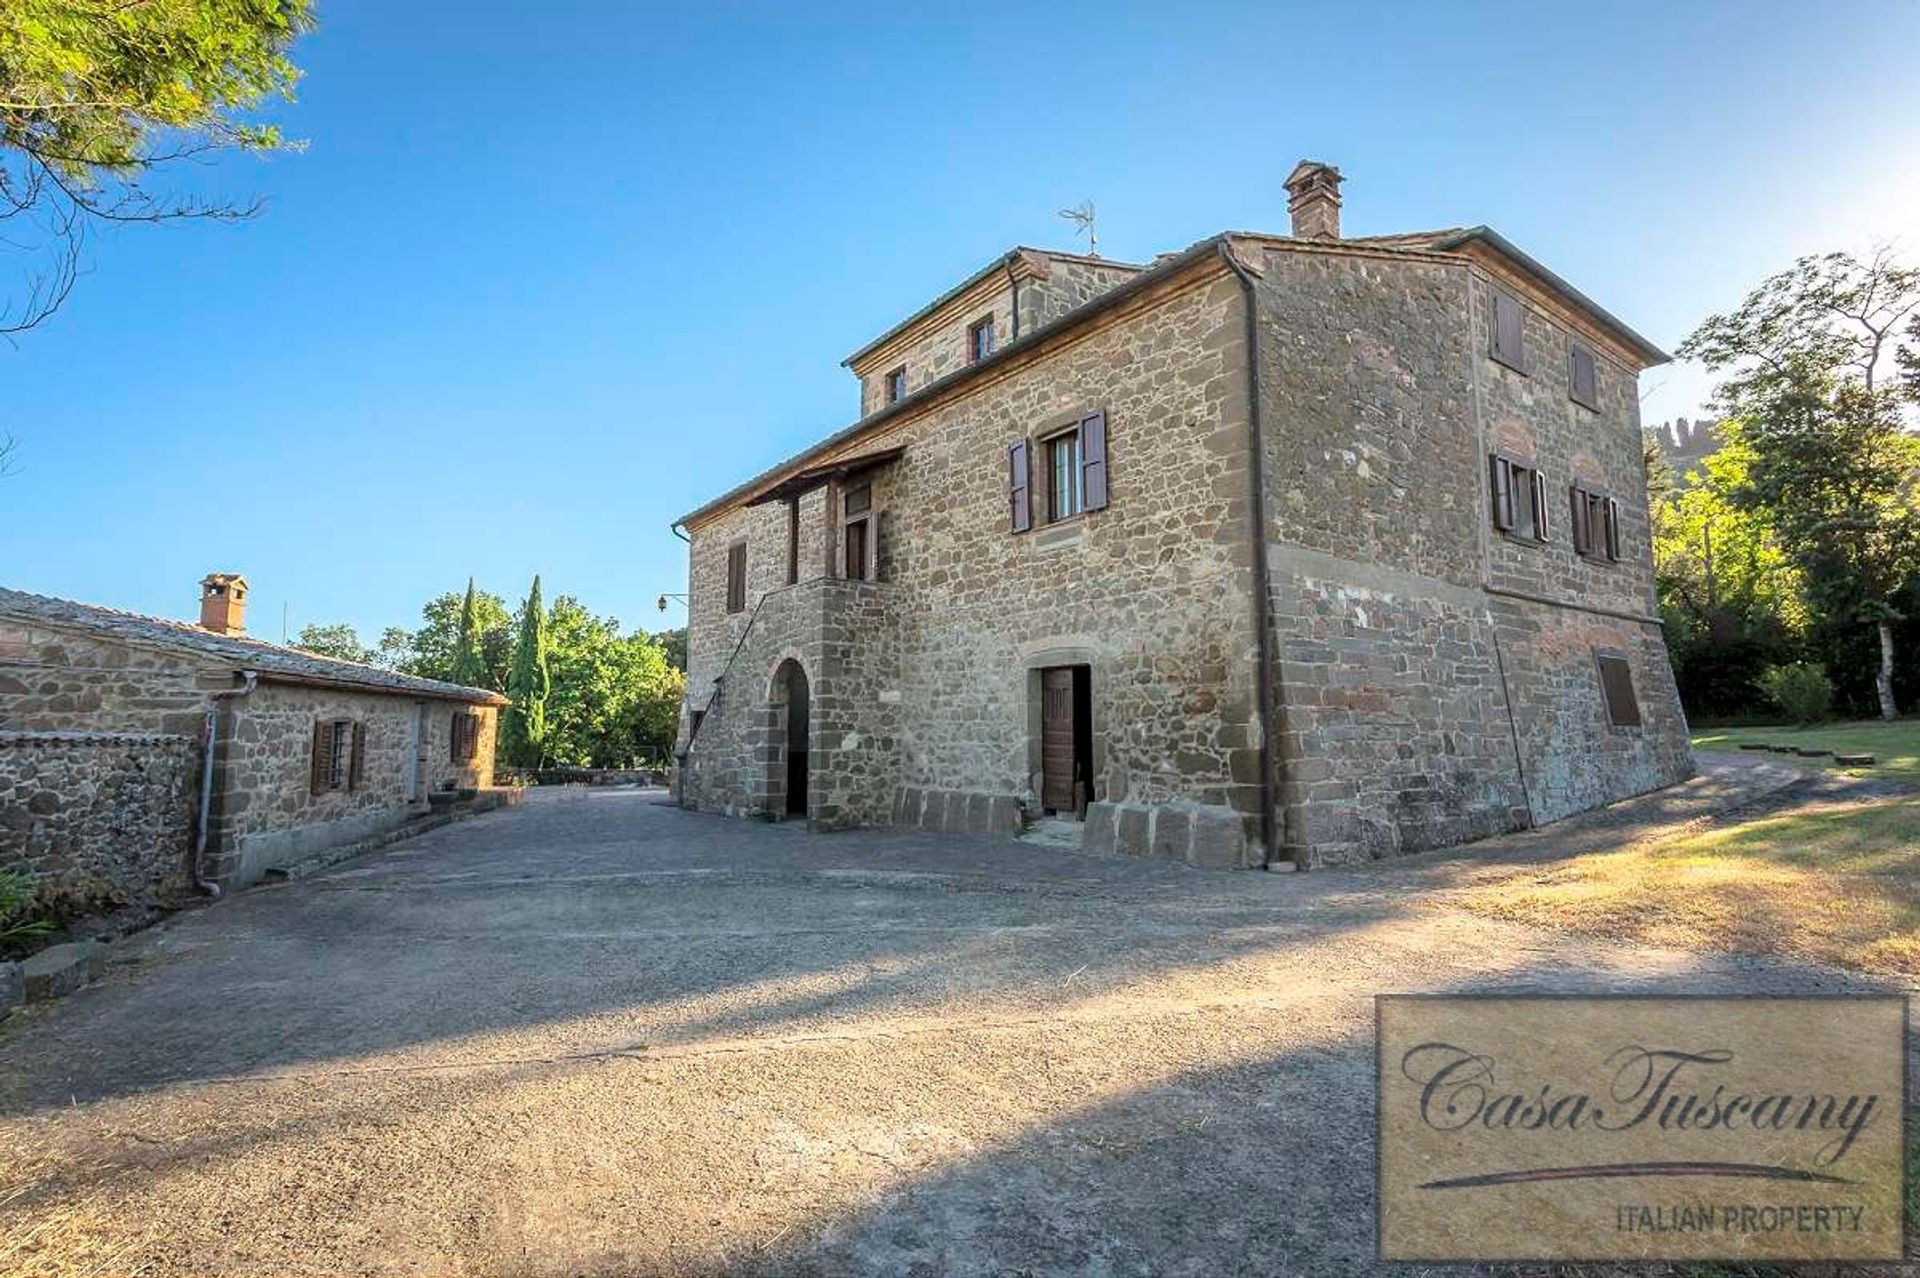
(597, 1034)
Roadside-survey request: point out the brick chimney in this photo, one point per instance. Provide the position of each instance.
(223, 603)
(1313, 198)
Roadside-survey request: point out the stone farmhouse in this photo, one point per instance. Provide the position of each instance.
(142, 757)
(1281, 550)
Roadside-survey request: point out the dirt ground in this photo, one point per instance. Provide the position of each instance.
(599, 1035)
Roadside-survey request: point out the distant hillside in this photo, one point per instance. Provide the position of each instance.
(1685, 445)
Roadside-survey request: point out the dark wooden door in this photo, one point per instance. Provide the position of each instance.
(1056, 739)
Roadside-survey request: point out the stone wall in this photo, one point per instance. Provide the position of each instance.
(1068, 282)
(267, 816)
(55, 680)
(843, 635)
(938, 346)
(1420, 706)
(1152, 593)
(100, 819)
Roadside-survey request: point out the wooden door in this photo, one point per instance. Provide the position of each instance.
(1056, 739)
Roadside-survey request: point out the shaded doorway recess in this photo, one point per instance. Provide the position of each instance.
(790, 690)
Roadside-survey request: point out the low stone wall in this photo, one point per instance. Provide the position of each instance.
(958, 811)
(101, 820)
(1205, 836)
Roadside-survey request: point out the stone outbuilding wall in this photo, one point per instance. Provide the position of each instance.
(100, 820)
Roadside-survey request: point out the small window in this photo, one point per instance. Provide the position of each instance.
(897, 385)
(1509, 331)
(793, 542)
(979, 340)
(1583, 386)
(737, 577)
(1062, 454)
(1519, 498)
(1596, 525)
(339, 755)
(1616, 688)
(463, 739)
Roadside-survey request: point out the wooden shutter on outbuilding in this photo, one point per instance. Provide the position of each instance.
(1020, 486)
(357, 761)
(1502, 493)
(457, 728)
(321, 778)
(1093, 461)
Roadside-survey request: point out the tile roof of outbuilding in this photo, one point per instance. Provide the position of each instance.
(242, 652)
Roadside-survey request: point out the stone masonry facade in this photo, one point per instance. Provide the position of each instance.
(1302, 638)
(103, 723)
(99, 820)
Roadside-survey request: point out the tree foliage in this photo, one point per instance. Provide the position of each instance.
(530, 684)
(1830, 466)
(98, 98)
(339, 641)
(613, 700)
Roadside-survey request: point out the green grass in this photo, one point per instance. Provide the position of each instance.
(1895, 746)
(1838, 883)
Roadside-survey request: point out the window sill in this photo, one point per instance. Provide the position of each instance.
(1061, 535)
(1520, 539)
(1517, 368)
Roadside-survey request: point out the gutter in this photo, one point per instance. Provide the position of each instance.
(1266, 669)
(201, 883)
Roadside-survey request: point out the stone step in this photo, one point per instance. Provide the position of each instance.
(1854, 760)
(59, 970)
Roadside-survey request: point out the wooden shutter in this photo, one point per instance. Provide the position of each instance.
(455, 726)
(321, 778)
(1538, 494)
(1582, 529)
(1613, 529)
(1093, 461)
(737, 577)
(1616, 687)
(1020, 486)
(1502, 493)
(1509, 332)
(357, 762)
(1583, 384)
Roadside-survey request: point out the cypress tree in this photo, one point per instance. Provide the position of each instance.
(468, 666)
(529, 685)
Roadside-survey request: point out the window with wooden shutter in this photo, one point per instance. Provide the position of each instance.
(1616, 688)
(357, 762)
(737, 577)
(1519, 498)
(1581, 511)
(1061, 455)
(1020, 487)
(464, 739)
(320, 778)
(1502, 470)
(1596, 524)
(1509, 331)
(979, 340)
(897, 385)
(1613, 530)
(1093, 461)
(1583, 385)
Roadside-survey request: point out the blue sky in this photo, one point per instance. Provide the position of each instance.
(548, 276)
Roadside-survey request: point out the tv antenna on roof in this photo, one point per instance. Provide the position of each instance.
(1082, 219)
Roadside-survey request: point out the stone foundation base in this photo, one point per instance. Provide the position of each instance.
(1209, 838)
(958, 811)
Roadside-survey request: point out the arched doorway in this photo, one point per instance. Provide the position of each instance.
(789, 692)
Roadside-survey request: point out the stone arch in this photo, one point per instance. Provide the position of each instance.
(789, 739)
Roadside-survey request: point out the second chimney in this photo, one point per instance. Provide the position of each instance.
(223, 603)
(1313, 198)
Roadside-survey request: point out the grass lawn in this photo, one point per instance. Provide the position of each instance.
(1837, 883)
(1895, 746)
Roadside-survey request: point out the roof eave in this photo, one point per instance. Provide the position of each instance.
(1147, 278)
(1486, 234)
